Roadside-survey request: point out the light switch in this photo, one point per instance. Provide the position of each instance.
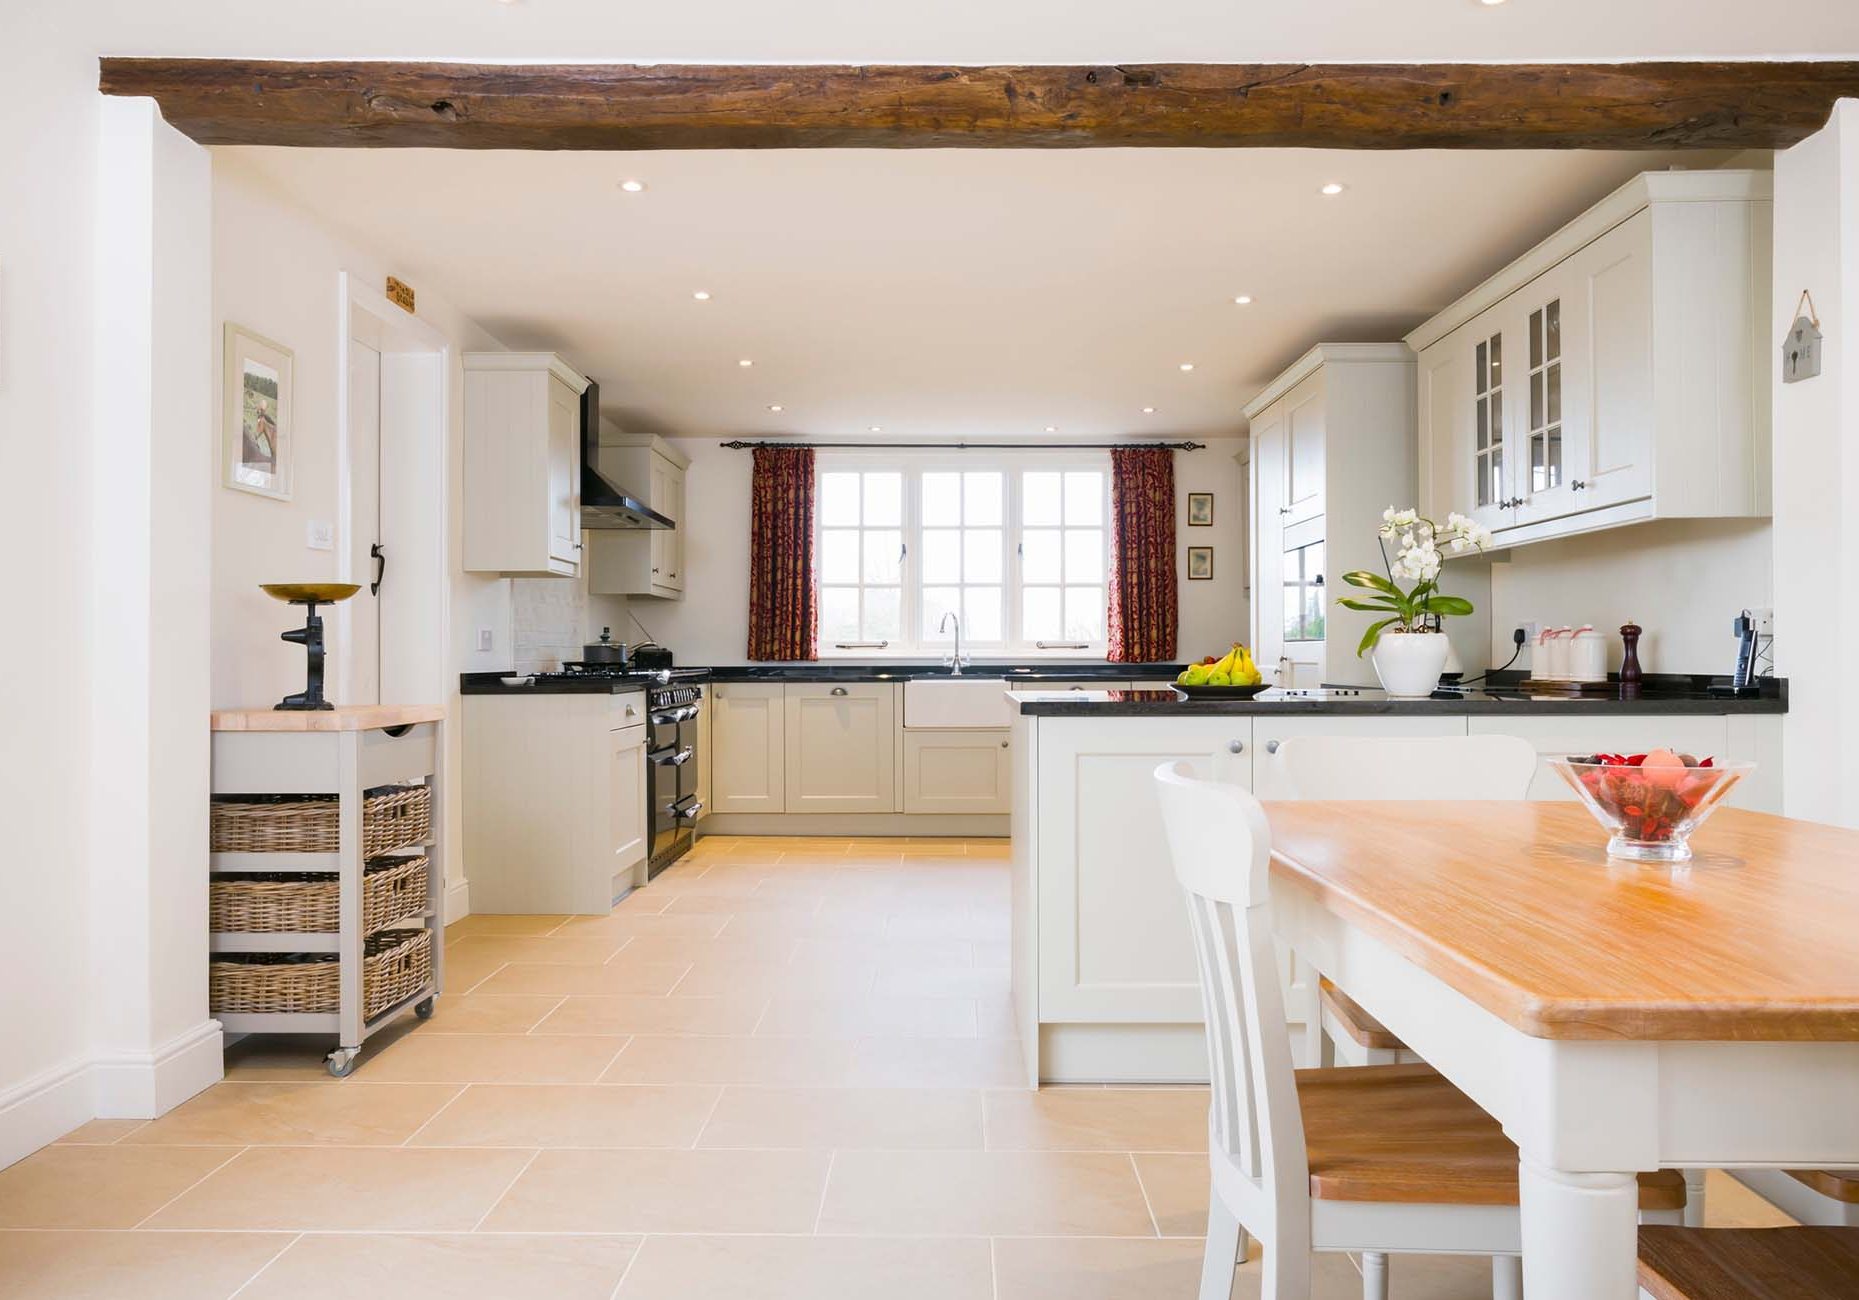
(484, 638)
(320, 535)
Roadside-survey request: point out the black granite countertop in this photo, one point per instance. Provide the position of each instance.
(557, 684)
(1668, 697)
(1088, 670)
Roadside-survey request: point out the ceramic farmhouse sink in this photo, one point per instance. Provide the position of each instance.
(957, 702)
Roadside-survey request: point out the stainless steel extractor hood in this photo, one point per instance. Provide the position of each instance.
(604, 504)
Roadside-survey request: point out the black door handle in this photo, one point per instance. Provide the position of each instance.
(379, 556)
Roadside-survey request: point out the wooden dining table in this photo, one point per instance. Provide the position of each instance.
(1615, 1017)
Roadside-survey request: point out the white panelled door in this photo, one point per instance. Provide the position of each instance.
(363, 609)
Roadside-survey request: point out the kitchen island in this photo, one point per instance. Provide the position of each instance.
(1104, 982)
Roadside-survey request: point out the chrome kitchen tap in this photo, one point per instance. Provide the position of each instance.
(956, 660)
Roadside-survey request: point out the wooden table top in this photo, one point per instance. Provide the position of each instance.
(1517, 906)
(348, 717)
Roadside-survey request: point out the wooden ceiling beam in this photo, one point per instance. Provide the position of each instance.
(682, 106)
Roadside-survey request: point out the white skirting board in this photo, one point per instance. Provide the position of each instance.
(457, 901)
(950, 825)
(1096, 1053)
(44, 1108)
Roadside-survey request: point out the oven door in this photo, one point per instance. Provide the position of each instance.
(671, 775)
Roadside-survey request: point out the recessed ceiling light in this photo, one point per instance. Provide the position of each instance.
(1491, 4)
(702, 295)
(745, 363)
(1052, 428)
(1148, 410)
(1333, 188)
(632, 187)
(1187, 365)
(775, 407)
(1244, 300)
(876, 429)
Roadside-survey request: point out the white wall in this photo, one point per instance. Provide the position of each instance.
(711, 625)
(1682, 580)
(1816, 468)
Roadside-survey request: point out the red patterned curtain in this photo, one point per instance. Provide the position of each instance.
(784, 597)
(1142, 555)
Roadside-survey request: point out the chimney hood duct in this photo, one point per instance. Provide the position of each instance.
(604, 504)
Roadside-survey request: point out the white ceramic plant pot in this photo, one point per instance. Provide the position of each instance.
(1409, 663)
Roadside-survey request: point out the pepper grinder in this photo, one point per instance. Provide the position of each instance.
(1630, 675)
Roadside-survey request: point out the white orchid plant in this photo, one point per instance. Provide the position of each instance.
(1410, 592)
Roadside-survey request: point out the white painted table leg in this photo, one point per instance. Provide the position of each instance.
(1580, 1234)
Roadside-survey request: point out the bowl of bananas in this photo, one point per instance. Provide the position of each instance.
(1231, 677)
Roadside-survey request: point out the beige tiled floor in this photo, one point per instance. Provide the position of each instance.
(786, 1070)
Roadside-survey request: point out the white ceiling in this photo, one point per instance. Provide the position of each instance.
(941, 293)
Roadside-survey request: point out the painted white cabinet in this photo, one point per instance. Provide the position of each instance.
(704, 756)
(1618, 372)
(1268, 778)
(957, 771)
(1350, 406)
(748, 749)
(647, 561)
(522, 464)
(841, 747)
(626, 811)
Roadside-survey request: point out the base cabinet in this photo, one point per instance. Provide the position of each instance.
(841, 743)
(748, 749)
(957, 772)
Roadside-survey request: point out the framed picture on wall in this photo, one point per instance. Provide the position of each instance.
(1200, 563)
(259, 432)
(1200, 509)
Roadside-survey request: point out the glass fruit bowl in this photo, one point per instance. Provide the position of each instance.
(1650, 802)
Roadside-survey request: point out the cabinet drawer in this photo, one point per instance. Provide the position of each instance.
(957, 772)
(1268, 776)
(396, 760)
(1622, 735)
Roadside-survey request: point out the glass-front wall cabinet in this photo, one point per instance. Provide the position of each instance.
(1546, 397)
(1303, 593)
(1488, 419)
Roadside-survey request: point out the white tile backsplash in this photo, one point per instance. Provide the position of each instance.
(552, 618)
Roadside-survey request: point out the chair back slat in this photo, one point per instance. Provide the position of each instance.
(1407, 767)
(1220, 845)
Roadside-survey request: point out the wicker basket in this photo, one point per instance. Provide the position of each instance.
(392, 817)
(396, 964)
(309, 902)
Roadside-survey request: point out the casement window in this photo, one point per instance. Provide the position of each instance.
(1015, 546)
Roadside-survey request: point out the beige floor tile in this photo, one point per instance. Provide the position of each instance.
(814, 979)
(101, 1132)
(938, 1063)
(1097, 1119)
(623, 925)
(664, 1191)
(1097, 1268)
(991, 1193)
(946, 982)
(890, 954)
(808, 1268)
(1729, 1204)
(480, 1013)
(620, 975)
(832, 921)
(947, 922)
(1177, 1189)
(99, 1187)
(656, 1015)
(351, 1112)
(491, 1058)
(275, 1057)
(489, 923)
(898, 1119)
(563, 950)
(570, 1115)
(465, 971)
(869, 1017)
(355, 1189)
(694, 949)
(143, 1265)
(710, 904)
(771, 1062)
(450, 1267)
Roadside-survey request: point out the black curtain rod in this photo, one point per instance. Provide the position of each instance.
(738, 444)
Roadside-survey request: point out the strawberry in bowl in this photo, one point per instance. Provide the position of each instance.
(1649, 802)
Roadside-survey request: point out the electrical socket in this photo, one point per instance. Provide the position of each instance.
(1529, 631)
(484, 638)
(1764, 620)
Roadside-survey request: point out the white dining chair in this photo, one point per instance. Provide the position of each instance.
(1352, 1160)
(1823, 1197)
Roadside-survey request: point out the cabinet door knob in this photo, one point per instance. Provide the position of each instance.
(1576, 485)
(1271, 747)
(1284, 510)
(838, 690)
(1003, 744)
(1235, 746)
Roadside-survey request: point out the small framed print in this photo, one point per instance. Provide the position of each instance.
(257, 416)
(1200, 509)
(1200, 563)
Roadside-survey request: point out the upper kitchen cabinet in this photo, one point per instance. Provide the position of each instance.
(1333, 446)
(645, 562)
(522, 464)
(1618, 372)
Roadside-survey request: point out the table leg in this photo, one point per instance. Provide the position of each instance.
(1580, 1234)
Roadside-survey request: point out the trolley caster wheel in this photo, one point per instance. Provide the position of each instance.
(341, 1062)
(423, 1009)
